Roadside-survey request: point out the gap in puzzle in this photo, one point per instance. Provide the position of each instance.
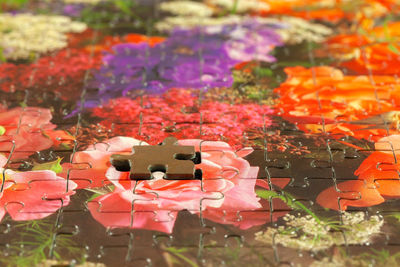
(199, 133)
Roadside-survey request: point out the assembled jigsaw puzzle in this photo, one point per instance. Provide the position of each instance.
(199, 133)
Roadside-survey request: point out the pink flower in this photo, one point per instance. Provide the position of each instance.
(179, 113)
(32, 195)
(24, 129)
(228, 184)
(239, 207)
(88, 168)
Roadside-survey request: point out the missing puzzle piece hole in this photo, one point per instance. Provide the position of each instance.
(159, 172)
(196, 159)
(121, 165)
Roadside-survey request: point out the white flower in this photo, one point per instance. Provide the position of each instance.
(293, 30)
(298, 30)
(24, 35)
(306, 233)
(241, 6)
(187, 8)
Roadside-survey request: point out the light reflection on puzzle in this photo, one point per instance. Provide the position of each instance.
(292, 107)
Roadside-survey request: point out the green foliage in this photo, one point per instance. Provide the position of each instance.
(235, 6)
(382, 257)
(393, 49)
(10, 5)
(2, 130)
(374, 257)
(288, 199)
(178, 254)
(34, 245)
(2, 57)
(16, 3)
(52, 166)
(262, 72)
(396, 216)
(125, 6)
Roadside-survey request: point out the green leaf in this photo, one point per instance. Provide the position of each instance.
(263, 72)
(125, 6)
(235, 6)
(2, 57)
(393, 49)
(266, 194)
(52, 166)
(288, 199)
(2, 130)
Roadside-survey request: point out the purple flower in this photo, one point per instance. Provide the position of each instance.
(73, 10)
(251, 41)
(199, 58)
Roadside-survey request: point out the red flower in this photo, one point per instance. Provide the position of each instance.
(62, 73)
(179, 113)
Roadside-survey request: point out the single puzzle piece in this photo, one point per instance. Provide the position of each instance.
(175, 161)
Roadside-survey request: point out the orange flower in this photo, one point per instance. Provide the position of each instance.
(110, 41)
(324, 100)
(94, 41)
(330, 10)
(355, 193)
(376, 51)
(378, 177)
(382, 167)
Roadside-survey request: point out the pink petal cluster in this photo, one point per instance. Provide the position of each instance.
(181, 114)
(88, 168)
(228, 186)
(32, 195)
(24, 128)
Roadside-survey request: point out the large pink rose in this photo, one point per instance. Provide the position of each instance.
(24, 129)
(32, 195)
(88, 168)
(228, 183)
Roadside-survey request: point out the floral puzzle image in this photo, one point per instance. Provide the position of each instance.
(199, 133)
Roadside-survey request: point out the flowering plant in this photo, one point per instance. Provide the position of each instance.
(199, 58)
(324, 100)
(179, 113)
(22, 35)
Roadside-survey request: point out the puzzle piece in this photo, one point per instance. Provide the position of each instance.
(175, 161)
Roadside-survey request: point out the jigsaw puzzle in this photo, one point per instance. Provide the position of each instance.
(199, 133)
